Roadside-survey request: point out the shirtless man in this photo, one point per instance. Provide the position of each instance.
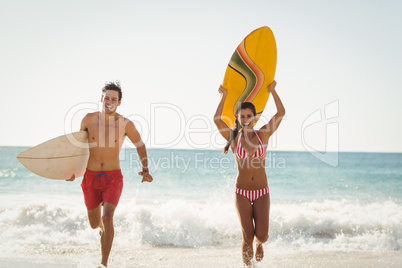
(103, 182)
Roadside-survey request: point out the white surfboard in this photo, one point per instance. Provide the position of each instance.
(59, 158)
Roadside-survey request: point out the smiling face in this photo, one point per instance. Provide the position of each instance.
(110, 101)
(246, 118)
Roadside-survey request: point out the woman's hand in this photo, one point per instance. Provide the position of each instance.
(272, 86)
(222, 91)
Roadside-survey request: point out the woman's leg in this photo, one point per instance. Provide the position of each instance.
(261, 219)
(245, 213)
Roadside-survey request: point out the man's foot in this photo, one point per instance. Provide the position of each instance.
(101, 230)
(259, 253)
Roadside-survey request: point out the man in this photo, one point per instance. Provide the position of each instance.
(103, 182)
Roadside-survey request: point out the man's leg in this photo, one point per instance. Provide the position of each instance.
(108, 231)
(94, 217)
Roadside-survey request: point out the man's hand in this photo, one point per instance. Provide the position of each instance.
(145, 176)
(72, 178)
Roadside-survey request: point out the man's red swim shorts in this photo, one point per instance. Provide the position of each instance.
(102, 186)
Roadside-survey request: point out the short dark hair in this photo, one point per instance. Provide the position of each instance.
(113, 86)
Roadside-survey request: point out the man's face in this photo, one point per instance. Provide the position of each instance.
(110, 101)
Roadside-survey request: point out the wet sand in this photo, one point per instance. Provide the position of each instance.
(207, 257)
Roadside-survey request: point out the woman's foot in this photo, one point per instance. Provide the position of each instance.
(247, 253)
(259, 253)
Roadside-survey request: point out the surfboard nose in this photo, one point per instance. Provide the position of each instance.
(59, 158)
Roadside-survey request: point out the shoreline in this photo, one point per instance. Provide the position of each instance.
(208, 257)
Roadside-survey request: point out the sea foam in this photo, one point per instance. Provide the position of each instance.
(55, 226)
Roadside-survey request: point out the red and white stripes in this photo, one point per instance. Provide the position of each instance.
(241, 153)
(252, 195)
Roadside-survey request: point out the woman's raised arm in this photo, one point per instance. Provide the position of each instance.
(267, 130)
(221, 125)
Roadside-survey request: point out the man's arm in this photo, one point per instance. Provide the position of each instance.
(84, 127)
(135, 138)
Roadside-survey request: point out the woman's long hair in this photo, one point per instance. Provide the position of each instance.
(236, 129)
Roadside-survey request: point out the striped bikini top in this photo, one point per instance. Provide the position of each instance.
(240, 153)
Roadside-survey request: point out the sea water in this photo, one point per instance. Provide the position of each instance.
(353, 206)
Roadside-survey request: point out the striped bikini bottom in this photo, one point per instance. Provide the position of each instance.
(252, 195)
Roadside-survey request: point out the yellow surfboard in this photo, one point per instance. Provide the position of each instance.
(250, 70)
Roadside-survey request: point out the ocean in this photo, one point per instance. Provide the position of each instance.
(343, 215)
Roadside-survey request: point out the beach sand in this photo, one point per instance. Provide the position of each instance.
(207, 257)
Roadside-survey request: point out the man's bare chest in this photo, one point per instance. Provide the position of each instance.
(106, 134)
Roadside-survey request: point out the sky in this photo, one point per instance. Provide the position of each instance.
(338, 69)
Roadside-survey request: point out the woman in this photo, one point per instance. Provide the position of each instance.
(249, 149)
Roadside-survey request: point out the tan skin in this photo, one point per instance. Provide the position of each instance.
(254, 219)
(106, 133)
